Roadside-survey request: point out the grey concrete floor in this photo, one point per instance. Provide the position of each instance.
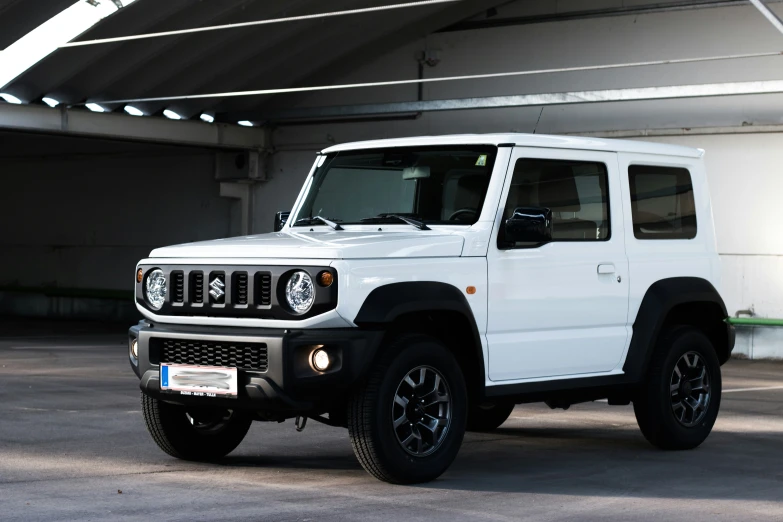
(73, 446)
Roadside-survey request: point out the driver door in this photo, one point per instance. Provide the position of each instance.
(560, 308)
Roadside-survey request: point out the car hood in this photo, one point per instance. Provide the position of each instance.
(344, 244)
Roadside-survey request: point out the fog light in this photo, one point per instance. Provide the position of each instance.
(134, 349)
(321, 360)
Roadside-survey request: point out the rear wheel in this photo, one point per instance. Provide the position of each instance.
(679, 401)
(407, 421)
(488, 416)
(193, 433)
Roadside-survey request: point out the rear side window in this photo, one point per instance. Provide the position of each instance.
(662, 202)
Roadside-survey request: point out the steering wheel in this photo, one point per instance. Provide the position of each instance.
(453, 216)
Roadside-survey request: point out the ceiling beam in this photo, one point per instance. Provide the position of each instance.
(661, 7)
(74, 122)
(523, 100)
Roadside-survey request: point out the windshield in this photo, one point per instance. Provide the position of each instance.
(432, 185)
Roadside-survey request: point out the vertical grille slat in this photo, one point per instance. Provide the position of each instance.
(263, 284)
(197, 287)
(178, 287)
(239, 284)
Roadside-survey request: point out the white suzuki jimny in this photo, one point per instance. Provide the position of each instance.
(422, 287)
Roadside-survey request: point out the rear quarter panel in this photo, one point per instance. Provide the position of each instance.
(653, 260)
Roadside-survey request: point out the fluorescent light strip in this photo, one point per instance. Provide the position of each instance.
(94, 107)
(171, 115)
(133, 111)
(51, 102)
(207, 118)
(768, 14)
(259, 22)
(245, 123)
(10, 98)
(449, 78)
(50, 35)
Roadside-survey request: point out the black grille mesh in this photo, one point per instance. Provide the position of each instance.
(241, 355)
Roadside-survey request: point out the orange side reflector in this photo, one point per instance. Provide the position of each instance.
(471, 290)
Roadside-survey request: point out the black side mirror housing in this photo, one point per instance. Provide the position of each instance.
(531, 225)
(280, 219)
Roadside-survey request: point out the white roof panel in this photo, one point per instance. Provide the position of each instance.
(527, 140)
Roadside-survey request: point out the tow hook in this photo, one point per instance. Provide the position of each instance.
(300, 423)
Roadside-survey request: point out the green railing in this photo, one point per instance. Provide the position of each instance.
(754, 321)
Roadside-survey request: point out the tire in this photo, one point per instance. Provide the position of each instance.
(397, 455)
(211, 435)
(488, 416)
(663, 423)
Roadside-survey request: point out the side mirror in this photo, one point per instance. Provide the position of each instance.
(531, 225)
(280, 220)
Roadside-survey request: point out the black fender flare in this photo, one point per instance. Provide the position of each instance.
(386, 303)
(658, 301)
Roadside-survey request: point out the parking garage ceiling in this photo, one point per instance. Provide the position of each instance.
(301, 53)
(277, 55)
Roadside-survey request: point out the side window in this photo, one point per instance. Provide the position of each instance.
(662, 202)
(575, 191)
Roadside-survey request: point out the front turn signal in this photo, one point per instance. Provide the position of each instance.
(325, 278)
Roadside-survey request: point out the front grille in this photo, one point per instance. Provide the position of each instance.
(240, 355)
(245, 291)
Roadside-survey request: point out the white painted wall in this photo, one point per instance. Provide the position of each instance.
(745, 173)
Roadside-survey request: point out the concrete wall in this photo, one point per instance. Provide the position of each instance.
(82, 220)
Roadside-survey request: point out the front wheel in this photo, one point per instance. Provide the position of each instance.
(407, 421)
(678, 403)
(193, 433)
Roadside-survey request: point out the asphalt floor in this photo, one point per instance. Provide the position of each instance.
(73, 446)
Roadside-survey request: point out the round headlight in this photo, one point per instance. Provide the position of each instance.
(156, 289)
(300, 292)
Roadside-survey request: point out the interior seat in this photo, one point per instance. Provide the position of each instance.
(557, 191)
(462, 189)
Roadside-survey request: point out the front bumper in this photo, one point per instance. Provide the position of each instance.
(287, 384)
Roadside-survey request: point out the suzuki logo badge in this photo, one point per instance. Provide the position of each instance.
(216, 287)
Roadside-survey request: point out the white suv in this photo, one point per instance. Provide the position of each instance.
(421, 287)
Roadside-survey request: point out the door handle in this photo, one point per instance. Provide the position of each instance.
(606, 268)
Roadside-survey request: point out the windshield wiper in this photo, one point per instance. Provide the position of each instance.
(328, 222)
(409, 220)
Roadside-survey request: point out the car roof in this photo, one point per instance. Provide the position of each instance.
(526, 140)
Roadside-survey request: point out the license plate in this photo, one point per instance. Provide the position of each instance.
(199, 381)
